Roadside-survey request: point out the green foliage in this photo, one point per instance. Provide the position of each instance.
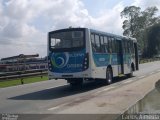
(129, 25)
(138, 24)
(153, 39)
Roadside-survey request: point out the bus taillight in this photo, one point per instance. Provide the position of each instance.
(86, 61)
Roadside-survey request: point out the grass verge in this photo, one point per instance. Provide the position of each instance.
(148, 60)
(27, 80)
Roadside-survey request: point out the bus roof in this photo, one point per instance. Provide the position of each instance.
(113, 35)
(98, 32)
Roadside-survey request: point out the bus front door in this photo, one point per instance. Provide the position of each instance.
(136, 56)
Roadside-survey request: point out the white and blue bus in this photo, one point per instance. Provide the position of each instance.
(78, 54)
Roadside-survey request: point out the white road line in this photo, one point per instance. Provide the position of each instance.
(55, 87)
(141, 77)
(106, 89)
(151, 73)
(98, 92)
(54, 108)
(77, 99)
(127, 81)
(57, 107)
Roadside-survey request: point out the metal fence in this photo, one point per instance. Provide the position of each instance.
(22, 74)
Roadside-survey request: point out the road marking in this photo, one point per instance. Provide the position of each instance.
(151, 73)
(106, 89)
(55, 87)
(141, 77)
(57, 107)
(127, 81)
(98, 92)
(54, 108)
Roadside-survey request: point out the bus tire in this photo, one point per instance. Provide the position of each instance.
(109, 76)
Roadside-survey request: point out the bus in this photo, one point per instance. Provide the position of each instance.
(81, 54)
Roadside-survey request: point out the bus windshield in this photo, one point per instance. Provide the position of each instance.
(66, 40)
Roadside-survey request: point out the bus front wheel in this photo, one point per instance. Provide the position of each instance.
(109, 76)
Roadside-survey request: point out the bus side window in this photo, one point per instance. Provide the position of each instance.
(102, 44)
(129, 46)
(106, 44)
(123, 46)
(132, 47)
(113, 45)
(110, 45)
(126, 46)
(116, 46)
(93, 43)
(97, 41)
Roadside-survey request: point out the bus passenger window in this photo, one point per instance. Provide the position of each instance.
(125, 46)
(106, 44)
(115, 42)
(93, 43)
(110, 45)
(129, 46)
(97, 41)
(133, 47)
(102, 44)
(113, 45)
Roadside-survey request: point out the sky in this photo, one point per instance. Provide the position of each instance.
(24, 24)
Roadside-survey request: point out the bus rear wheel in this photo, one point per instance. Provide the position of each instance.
(109, 76)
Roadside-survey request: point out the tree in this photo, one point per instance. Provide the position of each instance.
(148, 19)
(153, 39)
(131, 14)
(137, 24)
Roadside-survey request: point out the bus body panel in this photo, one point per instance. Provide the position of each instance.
(70, 64)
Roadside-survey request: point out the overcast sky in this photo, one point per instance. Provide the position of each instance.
(24, 23)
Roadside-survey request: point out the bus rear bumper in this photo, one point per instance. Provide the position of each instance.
(69, 75)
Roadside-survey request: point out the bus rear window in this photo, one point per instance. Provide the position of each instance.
(66, 40)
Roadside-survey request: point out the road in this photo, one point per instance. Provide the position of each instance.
(47, 96)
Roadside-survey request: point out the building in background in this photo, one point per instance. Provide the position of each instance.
(23, 62)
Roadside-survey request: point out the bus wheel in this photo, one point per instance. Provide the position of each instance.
(109, 76)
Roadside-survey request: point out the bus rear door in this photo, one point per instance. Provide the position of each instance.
(120, 58)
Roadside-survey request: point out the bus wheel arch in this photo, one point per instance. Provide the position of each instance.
(109, 75)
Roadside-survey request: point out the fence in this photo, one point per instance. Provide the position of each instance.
(22, 74)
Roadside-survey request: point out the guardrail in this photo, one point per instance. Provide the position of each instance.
(22, 74)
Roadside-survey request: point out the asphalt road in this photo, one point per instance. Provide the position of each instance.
(43, 97)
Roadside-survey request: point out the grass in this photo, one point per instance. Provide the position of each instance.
(27, 80)
(148, 60)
